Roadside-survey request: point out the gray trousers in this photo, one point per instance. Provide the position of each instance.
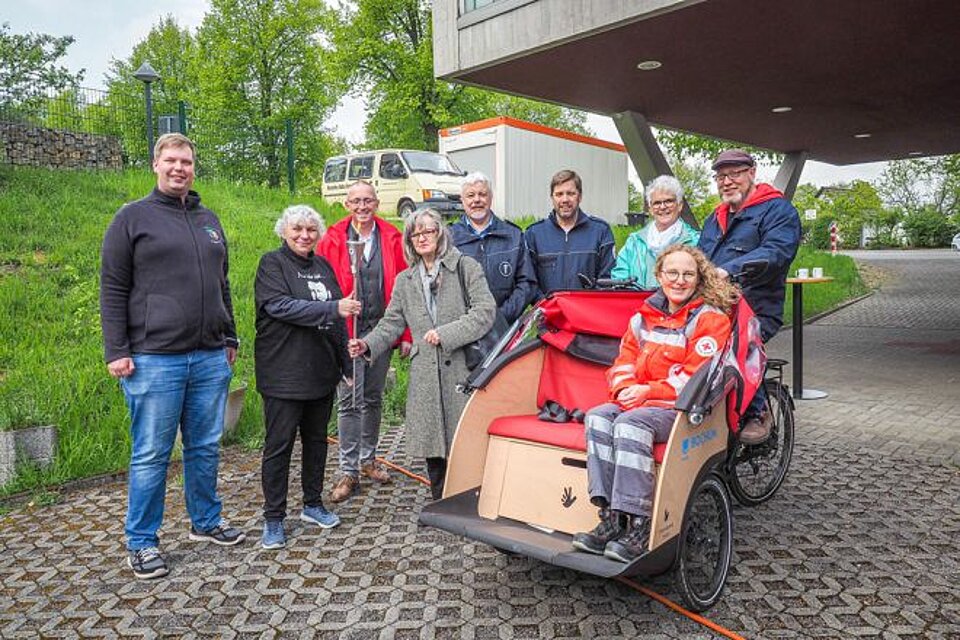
(620, 466)
(359, 428)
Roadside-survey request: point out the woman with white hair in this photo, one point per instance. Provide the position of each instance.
(639, 253)
(300, 356)
(443, 297)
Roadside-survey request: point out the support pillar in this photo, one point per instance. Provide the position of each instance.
(788, 175)
(645, 152)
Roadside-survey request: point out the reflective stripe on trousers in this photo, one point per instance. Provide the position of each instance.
(620, 465)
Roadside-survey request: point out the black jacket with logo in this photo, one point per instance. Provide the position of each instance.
(301, 347)
(163, 279)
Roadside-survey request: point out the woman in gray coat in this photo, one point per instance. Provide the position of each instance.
(428, 298)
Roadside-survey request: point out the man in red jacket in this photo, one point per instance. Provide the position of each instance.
(359, 425)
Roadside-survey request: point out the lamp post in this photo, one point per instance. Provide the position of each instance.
(148, 75)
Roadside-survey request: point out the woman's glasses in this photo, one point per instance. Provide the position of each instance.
(673, 275)
(426, 233)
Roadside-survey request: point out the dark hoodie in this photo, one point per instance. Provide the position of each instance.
(163, 279)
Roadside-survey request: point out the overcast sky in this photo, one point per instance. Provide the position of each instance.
(105, 29)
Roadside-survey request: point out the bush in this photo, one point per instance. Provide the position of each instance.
(928, 228)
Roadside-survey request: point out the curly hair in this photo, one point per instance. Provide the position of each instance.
(715, 291)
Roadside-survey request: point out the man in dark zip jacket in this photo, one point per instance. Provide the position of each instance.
(569, 241)
(497, 245)
(753, 222)
(169, 337)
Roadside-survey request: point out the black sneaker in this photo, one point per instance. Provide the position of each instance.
(610, 528)
(222, 534)
(147, 563)
(632, 545)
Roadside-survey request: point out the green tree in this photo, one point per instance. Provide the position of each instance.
(914, 185)
(928, 227)
(852, 206)
(543, 113)
(258, 64)
(384, 51)
(30, 69)
(170, 49)
(695, 147)
(29, 64)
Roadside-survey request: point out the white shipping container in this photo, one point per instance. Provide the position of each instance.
(520, 158)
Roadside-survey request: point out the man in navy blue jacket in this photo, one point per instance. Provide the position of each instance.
(753, 222)
(569, 241)
(497, 245)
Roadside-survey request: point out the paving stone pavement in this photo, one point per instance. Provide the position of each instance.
(891, 362)
(863, 539)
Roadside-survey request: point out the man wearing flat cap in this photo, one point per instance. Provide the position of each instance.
(753, 222)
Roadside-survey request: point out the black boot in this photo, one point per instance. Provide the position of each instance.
(633, 544)
(610, 528)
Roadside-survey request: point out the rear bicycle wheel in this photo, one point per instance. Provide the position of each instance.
(757, 471)
(706, 544)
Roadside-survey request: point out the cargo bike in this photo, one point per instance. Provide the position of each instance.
(517, 477)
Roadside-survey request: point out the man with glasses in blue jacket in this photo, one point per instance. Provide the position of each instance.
(753, 222)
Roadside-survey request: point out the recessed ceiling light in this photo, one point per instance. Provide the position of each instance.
(862, 135)
(781, 109)
(649, 65)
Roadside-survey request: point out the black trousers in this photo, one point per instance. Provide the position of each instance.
(283, 419)
(437, 472)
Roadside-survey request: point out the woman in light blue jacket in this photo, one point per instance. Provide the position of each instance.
(640, 251)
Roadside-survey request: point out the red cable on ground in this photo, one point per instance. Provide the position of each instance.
(395, 467)
(713, 626)
(653, 595)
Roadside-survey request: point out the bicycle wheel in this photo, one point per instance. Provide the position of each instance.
(706, 545)
(756, 472)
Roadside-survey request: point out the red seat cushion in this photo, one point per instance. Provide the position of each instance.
(574, 383)
(566, 435)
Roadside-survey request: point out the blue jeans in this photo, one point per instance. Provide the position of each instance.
(189, 390)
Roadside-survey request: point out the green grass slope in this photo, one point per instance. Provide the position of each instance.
(51, 361)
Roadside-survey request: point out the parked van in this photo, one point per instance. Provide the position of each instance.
(405, 180)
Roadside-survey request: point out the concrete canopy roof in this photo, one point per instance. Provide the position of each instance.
(890, 69)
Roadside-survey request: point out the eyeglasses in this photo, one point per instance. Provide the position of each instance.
(426, 233)
(673, 275)
(656, 204)
(366, 201)
(733, 175)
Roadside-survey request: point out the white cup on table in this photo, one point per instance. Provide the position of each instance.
(817, 272)
(803, 273)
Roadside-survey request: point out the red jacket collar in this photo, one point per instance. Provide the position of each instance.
(762, 193)
(655, 308)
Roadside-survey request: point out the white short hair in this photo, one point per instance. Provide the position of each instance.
(476, 177)
(667, 184)
(299, 213)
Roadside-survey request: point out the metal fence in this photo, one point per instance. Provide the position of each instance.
(120, 114)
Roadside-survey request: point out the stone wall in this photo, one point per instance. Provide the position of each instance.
(27, 145)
